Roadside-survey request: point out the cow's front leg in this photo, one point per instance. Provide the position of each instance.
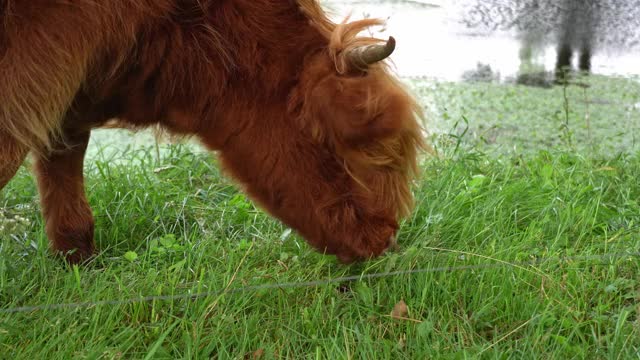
(68, 218)
(12, 155)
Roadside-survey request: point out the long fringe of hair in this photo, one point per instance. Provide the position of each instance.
(399, 154)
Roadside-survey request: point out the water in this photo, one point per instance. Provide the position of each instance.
(433, 42)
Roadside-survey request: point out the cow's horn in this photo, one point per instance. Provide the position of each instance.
(364, 56)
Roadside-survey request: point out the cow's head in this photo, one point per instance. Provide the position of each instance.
(337, 162)
(353, 109)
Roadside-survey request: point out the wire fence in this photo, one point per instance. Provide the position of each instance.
(524, 265)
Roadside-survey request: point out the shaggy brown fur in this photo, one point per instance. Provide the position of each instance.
(327, 147)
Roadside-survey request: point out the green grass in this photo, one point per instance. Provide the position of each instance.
(193, 233)
(604, 117)
(174, 226)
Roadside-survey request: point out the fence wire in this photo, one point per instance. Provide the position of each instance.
(316, 283)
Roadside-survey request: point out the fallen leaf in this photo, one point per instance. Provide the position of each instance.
(258, 354)
(400, 310)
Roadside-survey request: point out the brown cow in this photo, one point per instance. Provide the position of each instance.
(304, 113)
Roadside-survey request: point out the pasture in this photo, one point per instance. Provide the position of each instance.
(524, 244)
